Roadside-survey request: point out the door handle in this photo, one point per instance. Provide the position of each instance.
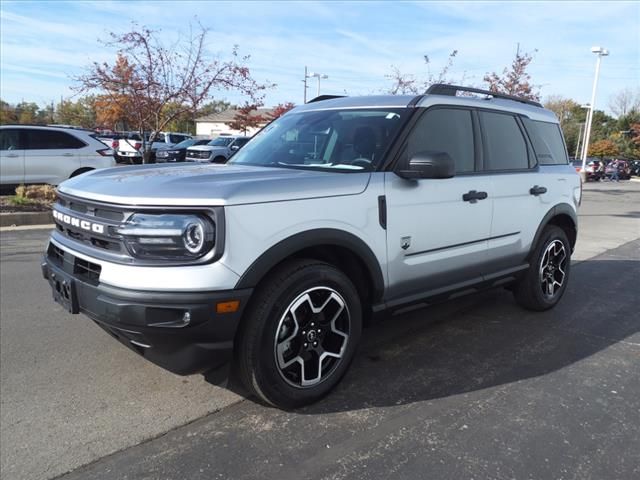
(12, 155)
(473, 196)
(537, 190)
(67, 154)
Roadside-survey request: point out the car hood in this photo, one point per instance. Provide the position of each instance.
(210, 185)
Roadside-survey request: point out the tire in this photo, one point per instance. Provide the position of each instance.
(288, 366)
(80, 171)
(545, 281)
(220, 159)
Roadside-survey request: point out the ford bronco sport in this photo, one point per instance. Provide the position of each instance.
(340, 209)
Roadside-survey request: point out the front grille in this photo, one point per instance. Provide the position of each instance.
(90, 223)
(198, 154)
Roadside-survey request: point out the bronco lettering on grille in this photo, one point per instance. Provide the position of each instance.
(76, 222)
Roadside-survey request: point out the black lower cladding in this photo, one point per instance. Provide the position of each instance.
(153, 323)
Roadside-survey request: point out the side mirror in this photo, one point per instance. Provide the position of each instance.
(235, 148)
(429, 165)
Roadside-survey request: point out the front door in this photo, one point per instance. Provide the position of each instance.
(11, 157)
(437, 240)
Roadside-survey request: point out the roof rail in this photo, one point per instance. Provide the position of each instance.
(325, 97)
(452, 90)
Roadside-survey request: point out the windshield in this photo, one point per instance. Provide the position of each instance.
(185, 143)
(220, 142)
(348, 140)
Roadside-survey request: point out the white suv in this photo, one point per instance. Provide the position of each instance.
(337, 210)
(34, 154)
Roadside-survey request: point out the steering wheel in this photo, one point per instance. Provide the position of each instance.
(361, 162)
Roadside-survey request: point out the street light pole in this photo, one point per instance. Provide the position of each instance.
(305, 84)
(601, 52)
(314, 75)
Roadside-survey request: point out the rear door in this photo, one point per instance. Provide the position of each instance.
(51, 156)
(11, 156)
(519, 199)
(435, 238)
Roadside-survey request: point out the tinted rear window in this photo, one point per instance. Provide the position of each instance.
(547, 142)
(504, 144)
(51, 140)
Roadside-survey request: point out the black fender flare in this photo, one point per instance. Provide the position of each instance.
(314, 238)
(560, 209)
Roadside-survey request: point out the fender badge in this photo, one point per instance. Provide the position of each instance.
(405, 242)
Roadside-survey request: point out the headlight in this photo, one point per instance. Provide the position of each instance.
(168, 236)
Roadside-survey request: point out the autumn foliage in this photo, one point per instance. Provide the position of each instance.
(149, 85)
(603, 148)
(514, 80)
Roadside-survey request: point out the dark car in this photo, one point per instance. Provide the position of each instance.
(624, 170)
(177, 153)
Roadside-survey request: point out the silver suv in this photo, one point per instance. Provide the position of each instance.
(40, 154)
(341, 209)
(218, 150)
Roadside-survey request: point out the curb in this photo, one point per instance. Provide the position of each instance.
(25, 218)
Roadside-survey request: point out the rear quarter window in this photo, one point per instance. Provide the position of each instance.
(547, 141)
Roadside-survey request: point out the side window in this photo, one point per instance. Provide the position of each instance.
(50, 140)
(240, 142)
(547, 142)
(504, 145)
(445, 130)
(10, 139)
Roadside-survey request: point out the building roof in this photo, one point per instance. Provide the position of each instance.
(228, 115)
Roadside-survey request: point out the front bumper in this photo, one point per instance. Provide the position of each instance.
(153, 323)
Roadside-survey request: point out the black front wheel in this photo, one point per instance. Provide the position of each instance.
(300, 334)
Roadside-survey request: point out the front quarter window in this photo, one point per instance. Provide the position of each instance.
(342, 140)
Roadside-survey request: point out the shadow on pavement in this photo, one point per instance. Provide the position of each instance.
(485, 340)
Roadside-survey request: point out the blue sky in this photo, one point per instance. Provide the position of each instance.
(44, 43)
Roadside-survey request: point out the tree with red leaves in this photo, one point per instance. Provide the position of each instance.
(516, 80)
(280, 110)
(247, 117)
(156, 84)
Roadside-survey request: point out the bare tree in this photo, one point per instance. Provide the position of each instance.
(515, 80)
(562, 107)
(625, 101)
(155, 84)
(409, 84)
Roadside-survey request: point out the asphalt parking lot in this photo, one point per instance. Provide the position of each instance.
(476, 388)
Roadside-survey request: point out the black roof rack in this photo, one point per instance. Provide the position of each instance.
(324, 97)
(452, 90)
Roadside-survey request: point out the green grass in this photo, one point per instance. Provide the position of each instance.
(17, 201)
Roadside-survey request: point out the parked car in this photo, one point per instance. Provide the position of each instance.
(635, 168)
(624, 170)
(40, 154)
(129, 148)
(178, 152)
(592, 168)
(340, 209)
(218, 150)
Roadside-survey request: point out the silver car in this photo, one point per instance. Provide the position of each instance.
(33, 154)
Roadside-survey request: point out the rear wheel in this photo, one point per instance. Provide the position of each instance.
(546, 279)
(300, 334)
